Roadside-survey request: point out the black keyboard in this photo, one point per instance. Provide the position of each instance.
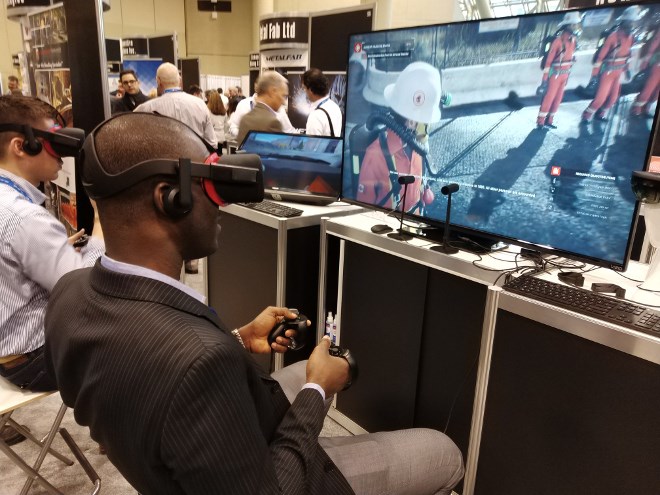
(618, 311)
(275, 209)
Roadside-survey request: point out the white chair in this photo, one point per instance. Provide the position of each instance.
(13, 398)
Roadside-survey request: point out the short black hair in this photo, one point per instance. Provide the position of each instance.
(130, 138)
(194, 89)
(316, 82)
(12, 78)
(128, 71)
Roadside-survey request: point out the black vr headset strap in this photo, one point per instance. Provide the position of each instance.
(396, 187)
(185, 183)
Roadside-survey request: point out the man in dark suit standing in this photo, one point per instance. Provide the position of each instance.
(272, 90)
(133, 95)
(174, 396)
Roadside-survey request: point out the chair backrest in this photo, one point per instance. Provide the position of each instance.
(13, 397)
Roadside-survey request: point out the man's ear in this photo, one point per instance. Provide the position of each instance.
(160, 192)
(16, 146)
(167, 201)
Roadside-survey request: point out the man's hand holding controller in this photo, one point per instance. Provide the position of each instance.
(329, 366)
(330, 372)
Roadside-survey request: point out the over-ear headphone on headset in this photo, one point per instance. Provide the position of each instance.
(30, 144)
(225, 179)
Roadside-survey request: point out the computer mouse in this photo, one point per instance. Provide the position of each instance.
(381, 228)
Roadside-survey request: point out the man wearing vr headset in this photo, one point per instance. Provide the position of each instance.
(34, 249)
(171, 393)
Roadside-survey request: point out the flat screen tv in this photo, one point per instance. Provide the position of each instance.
(539, 119)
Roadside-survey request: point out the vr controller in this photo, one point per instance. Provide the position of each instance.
(299, 324)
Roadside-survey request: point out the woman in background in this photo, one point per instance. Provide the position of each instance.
(218, 117)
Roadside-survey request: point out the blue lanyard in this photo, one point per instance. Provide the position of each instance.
(16, 187)
(172, 90)
(317, 106)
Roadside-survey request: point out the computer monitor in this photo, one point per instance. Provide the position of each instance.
(540, 120)
(297, 167)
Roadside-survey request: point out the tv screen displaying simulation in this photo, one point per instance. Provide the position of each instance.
(539, 119)
(298, 163)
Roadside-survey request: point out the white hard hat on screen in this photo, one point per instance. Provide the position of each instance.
(632, 14)
(571, 18)
(416, 93)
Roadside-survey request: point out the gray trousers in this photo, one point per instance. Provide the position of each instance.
(416, 461)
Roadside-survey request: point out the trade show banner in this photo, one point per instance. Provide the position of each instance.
(288, 57)
(46, 39)
(277, 32)
(18, 8)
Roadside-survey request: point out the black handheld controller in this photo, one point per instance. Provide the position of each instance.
(82, 241)
(299, 324)
(337, 351)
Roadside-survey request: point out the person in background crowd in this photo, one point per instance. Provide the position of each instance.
(326, 118)
(34, 248)
(176, 103)
(175, 395)
(218, 116)
(225, 100)
(195, 90)
(133, 95)
(243, 107)
(272, 92)
(118, 91)
(13, 86)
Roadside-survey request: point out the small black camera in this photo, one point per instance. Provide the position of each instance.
(646, 186)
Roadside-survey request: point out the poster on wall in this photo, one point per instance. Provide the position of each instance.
(48, 59)
(46, 41)
(299, 106)
(146, 72)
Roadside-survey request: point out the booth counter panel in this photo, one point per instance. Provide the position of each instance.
(416, 333)
(382, 315)
(242, 273)
(565, 414)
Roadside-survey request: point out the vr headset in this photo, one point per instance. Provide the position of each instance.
(225, 179)
(59, 142)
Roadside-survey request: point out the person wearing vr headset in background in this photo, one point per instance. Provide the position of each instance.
(34, 249)
(172, 393)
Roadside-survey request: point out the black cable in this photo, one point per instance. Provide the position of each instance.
(458, 393)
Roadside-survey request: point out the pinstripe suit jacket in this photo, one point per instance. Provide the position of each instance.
(178, 403)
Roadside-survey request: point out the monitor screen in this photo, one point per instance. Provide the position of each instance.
(540, 121)
(307, 166)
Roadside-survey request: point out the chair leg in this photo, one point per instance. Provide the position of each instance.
(89, 469)
(44, 449)
(33, 475)
(40, 443)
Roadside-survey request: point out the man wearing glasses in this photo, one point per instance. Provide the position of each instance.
(133, 96)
